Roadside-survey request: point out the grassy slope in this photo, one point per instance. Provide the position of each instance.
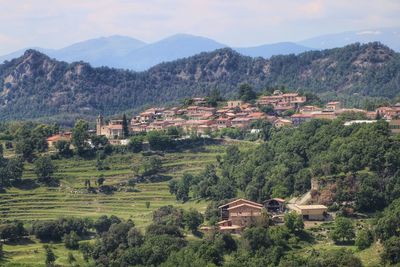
(70, 199)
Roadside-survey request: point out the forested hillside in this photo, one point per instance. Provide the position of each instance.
(35, 86)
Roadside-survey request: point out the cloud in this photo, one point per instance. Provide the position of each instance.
(235, 22)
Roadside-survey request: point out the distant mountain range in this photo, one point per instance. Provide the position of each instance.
(36, 86)
(129, 53)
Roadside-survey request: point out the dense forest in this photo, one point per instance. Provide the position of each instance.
(357, 165)
(34, 85)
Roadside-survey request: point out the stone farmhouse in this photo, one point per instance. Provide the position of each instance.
(241, 213)
(238, 214)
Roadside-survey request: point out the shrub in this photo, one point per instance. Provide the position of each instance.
(71, 240)
(364, 239)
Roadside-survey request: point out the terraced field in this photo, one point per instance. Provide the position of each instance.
(71, 198)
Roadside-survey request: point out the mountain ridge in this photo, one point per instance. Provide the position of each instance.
(35, 85)
(130, 53)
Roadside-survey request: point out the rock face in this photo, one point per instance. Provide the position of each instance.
(34, 85)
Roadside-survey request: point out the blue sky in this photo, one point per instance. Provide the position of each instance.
(58, 23)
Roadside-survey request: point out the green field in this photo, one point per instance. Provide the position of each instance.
(72, 199)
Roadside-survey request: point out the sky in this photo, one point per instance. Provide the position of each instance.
(58, 23)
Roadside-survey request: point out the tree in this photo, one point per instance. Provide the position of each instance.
(152, 166)
(80, 135)
(256, 238)
(99, 141)
(391, 250)
(44, 169)
(173, 187)
(185, 257)
(125, 128)
(193, 219)
(214, 97)
(71, 240)
(63, 148)
(343, 230)
(50, 256)
(103, 223)
(389, 223)
(246, 92)
(135, 238)
(335, 258)
(294, 222)
(159, 141)
(10, 170)
(25, 147)
(364, 239)
(268, 109)
(370, 195)
(135, 144)
(100, 180)
(12, 231)
(86, 250)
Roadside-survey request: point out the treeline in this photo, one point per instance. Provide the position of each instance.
(119, 242)
(368, 70)
(357, 164)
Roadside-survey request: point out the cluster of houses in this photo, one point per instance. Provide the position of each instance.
(241, 213)
(203, 119)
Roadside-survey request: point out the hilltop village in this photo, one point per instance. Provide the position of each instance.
(280, 109)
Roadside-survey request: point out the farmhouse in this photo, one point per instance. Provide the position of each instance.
(238, 214)
(52, 140)
(310, 212)
(282, 122)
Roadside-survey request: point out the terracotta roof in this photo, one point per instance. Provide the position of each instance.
(54, 137)
(241, 199)
(257, 115)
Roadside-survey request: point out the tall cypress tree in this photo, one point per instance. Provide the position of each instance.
(125, 128)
